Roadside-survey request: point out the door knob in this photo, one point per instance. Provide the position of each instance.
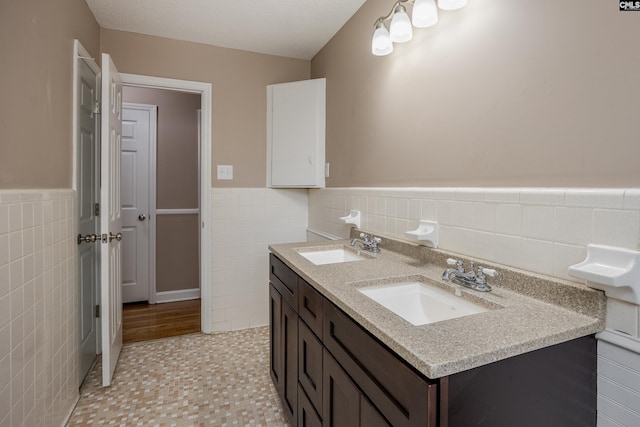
(89, 238)
(142, 217)
(112, 236)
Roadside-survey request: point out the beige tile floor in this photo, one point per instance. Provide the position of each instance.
(193, 380)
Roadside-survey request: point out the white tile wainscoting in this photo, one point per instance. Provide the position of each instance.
(38, 307)
(245, 221)
(536, 229)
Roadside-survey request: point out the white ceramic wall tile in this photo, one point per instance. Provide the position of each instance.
(574, 226)
(564, 256)
(509, 219)
(508, 250)
(4, 219)
(538, 222)
(502, 195)
(631, 199)
(247, 221)
(537, 255)
(491, 223)
(41, 349)
(595, 198)
(616, 228)
(542, 196)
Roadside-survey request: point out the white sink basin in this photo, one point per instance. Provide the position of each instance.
(419, 303)
(332, 255)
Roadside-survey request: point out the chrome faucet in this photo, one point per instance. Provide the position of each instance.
(370, 243)
(476, 280)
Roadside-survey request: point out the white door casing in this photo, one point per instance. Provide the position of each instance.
(138, 142)
(86, 140)
(110, 218)
(205, 91)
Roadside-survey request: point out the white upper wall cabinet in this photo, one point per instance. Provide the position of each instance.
(295, 134)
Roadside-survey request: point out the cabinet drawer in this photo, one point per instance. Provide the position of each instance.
(401, 395)
(285, 280)
(310, 364)
(310, 306)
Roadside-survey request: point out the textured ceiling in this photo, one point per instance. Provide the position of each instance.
(292, 28)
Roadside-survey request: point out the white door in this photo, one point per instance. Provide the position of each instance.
(110, 218)
(138, 127)
(88, 196)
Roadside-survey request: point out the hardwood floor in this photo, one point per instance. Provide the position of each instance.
(142, 321)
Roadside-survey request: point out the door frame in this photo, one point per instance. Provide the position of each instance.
(80, 53)
(205, 91)
(153, 147)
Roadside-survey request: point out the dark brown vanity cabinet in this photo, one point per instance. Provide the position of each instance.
(284, 335)
(341, 375)
(331, 372)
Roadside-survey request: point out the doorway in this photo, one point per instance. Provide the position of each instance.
(161, 213)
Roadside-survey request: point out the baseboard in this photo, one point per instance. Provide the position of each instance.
(180, 295)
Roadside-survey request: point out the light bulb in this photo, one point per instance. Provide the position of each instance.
(381, 43)
(401, 30)
(452, 4)
(425, 13)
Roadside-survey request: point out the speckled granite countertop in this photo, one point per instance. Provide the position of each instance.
(529, 311)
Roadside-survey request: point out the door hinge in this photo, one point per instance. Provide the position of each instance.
(96, 108)
(97, 310)
(97, 209)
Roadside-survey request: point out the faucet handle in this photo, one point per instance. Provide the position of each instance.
(459, 264)
(376, 239)
(487, 271)
(452, 261)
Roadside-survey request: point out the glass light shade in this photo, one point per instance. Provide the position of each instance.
(425, 13)
(381, 43)
(452, 4)
(401, 30)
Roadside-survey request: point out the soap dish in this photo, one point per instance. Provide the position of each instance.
(353, 218)
(616, 271)
(426, 233)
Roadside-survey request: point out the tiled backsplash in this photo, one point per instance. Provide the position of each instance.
(38, 307)
(540, 230)
(245, 221)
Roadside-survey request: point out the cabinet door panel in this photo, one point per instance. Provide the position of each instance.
(310, 364)
(369, 416)
(275, 341)
(285, 281)
(307, 416)
(290, 362)
(310, 307)
(341, 401)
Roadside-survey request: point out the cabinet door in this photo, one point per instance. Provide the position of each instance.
(307, 416)
(310, 364)
(290, 362)
(275, 341)
(369, 415)
(296, 134)
(341, 397)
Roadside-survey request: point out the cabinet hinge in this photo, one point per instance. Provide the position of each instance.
(97, 209)
(97, 310)
(96, 108)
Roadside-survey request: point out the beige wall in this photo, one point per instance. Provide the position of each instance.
(177, 144)
(239, 81)
(36, 73)
(501, 93)
(177, 262)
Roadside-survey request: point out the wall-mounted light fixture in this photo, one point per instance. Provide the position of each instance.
(424, 14)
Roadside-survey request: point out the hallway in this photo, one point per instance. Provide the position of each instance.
(191, 380)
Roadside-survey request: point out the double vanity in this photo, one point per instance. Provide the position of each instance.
(360, 338)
